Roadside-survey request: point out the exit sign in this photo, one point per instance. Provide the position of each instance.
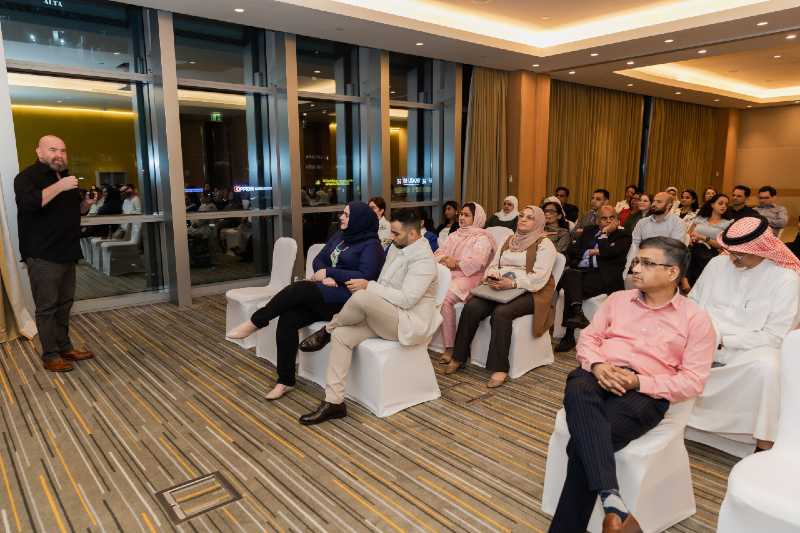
(216, 116)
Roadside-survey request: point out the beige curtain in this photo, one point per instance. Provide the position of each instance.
(8, 321)
(681, 147)
(485, 170)
(594, 140)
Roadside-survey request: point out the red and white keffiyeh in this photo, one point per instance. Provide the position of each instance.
(751, 235)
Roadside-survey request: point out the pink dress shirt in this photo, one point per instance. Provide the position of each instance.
(670, 347)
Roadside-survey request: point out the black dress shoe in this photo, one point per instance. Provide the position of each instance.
(566, 344)
(577, 321)
(316, 341)
(325, 411)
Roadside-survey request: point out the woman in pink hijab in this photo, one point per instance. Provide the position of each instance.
(466, 253)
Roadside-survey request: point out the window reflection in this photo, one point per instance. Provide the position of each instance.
(410, 78)
(410, 148)
(329, 151)
(318, 227)
(227, 249)
(54, 32)
(326, 67)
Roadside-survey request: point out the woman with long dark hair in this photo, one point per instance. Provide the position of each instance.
(712, 219)
(450, 224)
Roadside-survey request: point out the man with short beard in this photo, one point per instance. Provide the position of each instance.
(660, 223)
(49, 209)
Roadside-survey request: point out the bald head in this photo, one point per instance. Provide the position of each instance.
(606, 211)
(52, 151)
(662, 203)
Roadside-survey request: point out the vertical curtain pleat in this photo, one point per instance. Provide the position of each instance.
(8, 321)
(485, 170)
(594, 140)
(681, 147)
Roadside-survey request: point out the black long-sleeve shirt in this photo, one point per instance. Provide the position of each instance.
(51, 232)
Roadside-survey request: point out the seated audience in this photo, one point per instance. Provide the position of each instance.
(659, 223)
(525, 261)
(794, 246)
(596, 262)
(752, 294)
(378, 206)
(427, 229)
(466, 253)
(642, 210)
(645, 349)
(633, 205)
(738, 207)
(688, 206)
(399, 306)
(630, 192)
(709, 193)
(675, 202)
(354, 253)
(131, 203)
(450, 224)
(599, 199)
(572, 211)
(556, 226)
(507, 216)
(776, 215)
(710, 221)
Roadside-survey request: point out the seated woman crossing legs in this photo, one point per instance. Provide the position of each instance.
(524, 261)
(354, 252)
(466, 253)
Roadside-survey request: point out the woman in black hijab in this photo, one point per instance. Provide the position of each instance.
(353, 252)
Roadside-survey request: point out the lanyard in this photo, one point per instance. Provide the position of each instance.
(336, 253)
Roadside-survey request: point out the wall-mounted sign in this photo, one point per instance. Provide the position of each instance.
(249, 188)
(53, 3)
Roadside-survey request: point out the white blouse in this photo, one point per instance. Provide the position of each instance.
(514, 263)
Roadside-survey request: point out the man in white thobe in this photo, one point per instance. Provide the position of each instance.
(753, 295)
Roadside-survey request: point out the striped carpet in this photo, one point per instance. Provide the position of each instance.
(167, 400)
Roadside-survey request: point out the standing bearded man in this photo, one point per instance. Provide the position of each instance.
(49, 209)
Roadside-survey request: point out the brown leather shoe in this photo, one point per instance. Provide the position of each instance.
(614, 524)
(57, 364)
(453, 366)
(76, 355)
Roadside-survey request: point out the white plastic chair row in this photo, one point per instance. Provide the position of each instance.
(242, 303)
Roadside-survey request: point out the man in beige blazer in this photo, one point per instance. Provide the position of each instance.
(400, 306)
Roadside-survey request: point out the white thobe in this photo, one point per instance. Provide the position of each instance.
(752, 310)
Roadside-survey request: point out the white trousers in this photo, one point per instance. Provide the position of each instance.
(742, 397)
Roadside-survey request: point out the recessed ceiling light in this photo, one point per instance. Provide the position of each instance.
(305, 114)
(60, 101)
(762, 23)
(749, 106)
(792, 36)
(238, 10)
(116, 53)
(536, 65)
(631, 63)
(571, 72)
(594, 54)
(419, 44)
(797, 101)
(716, 99)
(392, 92)
(677, 92)
(545, 18)
(776, 56)
(703, 51)
(313, 105)
(316, 72)
(669, 41)
(192, 62)
(630, 85)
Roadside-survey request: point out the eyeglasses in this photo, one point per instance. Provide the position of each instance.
(646, 263)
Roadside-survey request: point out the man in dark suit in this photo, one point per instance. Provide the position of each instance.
(596, 259)
(570, 211)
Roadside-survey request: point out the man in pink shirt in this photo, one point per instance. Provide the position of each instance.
(644, 349)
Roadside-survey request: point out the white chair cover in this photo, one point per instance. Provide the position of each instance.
(242, 303)
(119, 257)
(527, 352)
(266, 347)
(500, 234)
(653, 471)
(385, 376)
(763, 488)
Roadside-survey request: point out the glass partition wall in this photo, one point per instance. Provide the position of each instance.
(180, 128)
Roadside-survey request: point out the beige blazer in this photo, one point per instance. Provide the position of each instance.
(409, 281)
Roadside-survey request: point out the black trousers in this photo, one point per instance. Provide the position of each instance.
(580, 284)
(600, 423)
(503, 315)
(297, 306)
(53, 288)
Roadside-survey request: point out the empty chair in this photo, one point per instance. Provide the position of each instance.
(385, 376)
(762, 489)
(123, 256)
(653, 472)
(242, 303)
(527, 352)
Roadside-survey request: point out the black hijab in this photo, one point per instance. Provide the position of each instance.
(363, 224)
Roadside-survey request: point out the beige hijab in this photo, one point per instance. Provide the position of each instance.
(522, 241)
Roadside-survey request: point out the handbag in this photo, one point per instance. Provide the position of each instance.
(502, 296)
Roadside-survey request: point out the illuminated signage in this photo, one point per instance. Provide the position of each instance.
(194, 189)
(249, 188)
(53, 3)
(407, 181)
(216, 116)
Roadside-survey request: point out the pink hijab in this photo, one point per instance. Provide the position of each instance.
(522, 241)
(465, 236)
